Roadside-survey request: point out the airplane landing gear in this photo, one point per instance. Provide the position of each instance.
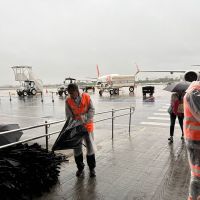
(131, 89)
(100, 92)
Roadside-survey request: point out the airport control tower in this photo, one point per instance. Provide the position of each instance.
(29, 83)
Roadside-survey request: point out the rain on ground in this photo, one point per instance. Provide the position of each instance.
(139, 166)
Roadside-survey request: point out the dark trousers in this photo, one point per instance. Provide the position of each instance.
(172, 123)
(90, 161)
(78, 153)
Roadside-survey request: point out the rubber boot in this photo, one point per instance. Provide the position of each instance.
(80, 165)
(92, 164)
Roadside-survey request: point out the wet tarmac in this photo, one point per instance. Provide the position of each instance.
(140, 166)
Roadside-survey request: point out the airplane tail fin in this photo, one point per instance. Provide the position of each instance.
(98, 74)
(137, 69)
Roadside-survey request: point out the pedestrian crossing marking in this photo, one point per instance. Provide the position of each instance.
(166, 106)
(165, 110)
(164, 114)
(157, 124)
(160, 118)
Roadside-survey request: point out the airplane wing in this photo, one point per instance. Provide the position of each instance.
(92, 78)
(170, 71)
(191, 75)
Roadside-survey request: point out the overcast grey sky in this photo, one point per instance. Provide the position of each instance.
(61, 38)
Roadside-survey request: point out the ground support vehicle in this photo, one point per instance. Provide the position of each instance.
(63, 88)
(28, 88)
(148, 90)
(86, 85)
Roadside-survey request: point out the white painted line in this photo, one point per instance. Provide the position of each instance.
(162, 118)
(165, 114)
(165, 107)
(164, 110)
(157, 124)
(159, 118)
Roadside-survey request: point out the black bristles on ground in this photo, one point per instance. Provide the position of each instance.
(27, 171)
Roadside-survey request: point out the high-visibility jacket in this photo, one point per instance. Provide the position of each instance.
(191, 130)
(81, 109)
(192, 136)
(191, 124)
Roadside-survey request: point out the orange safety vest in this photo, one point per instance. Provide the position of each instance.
(81, 109)
(191, 131)
(191, 125)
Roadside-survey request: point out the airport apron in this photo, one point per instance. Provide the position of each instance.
(192, 136)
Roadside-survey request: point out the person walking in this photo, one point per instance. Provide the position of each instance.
(192, 136)
(80, 107)
(176, 110)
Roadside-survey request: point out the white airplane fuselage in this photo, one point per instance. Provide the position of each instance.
(113, 82)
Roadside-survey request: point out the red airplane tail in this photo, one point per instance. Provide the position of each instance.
(137, 69)
(98, 74)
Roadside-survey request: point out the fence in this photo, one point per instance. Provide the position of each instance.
(12, 96)
(46, 126)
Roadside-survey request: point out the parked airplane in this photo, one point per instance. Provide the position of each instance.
(113, 82)
(190, 75)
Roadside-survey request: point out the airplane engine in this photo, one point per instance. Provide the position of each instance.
(191, 76)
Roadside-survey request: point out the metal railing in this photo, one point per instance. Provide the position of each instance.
(12, 96)
(46, 125)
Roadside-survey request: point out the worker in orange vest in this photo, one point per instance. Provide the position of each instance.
(80, 107)
(192, 136)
